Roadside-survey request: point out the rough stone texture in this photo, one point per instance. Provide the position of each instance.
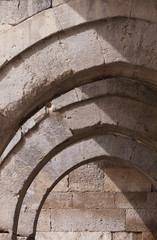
(13, 12)
(44, 221)
(152, 200)
(82, 220)
(5, 236)
(73, 236)
(131, 200)
(87, 209)
(85, 179)
(139, 220)
(63, 185)
(57, 50)
(59, 200)
(93, 200)
(127, 236)
(125, 180)
(149, 236)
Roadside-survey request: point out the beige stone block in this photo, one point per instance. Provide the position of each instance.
(141, 220)
(13, 12)
(74, 236)
(152, 200)
(87, 178)
(44, 221)
(58, 200)
(84, 115)
(78, 220)
(144, 10)
(5, 236)
(93, 200)
(130, 200)
(149, 236)
(92, 54)
(27, 33)
(125, 180)
(126, 236)
(62, 186)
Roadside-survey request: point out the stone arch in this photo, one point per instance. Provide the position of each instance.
(104, 58)
(94, 147)
(60, 129)
(127, 63)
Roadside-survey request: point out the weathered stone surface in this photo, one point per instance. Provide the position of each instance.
(92, 51)
(88, 113)
(113, 47)
(59, 200)
(44, 221)
(149, 236)
(131, 200)
(73, 236)
(5, 236)
(125, 180)
(152, 200)
(93, 200)
(87, 220)
(139, 220)
(13, 12)
(127, 236)
(87, 178)
(63, 185)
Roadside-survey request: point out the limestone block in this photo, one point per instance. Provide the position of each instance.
(5, 236)
(77, 12)
(56, 3)
(127, 236)
(149, 236)
(73, 236)
(115, 50)
(15, 140)
(152, 200)
(13, 12)
(44, 221)
(4, 28)
(86, 178)
(63, 185)
(131, 200)
(144, 10)
(82, 116)
(141, 220)
(27, 33)
(92, 54)
(93, 200)
(87, 220)
(58, 200)
(125, 180)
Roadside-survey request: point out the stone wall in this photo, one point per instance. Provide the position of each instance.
(78, 83)
(103, 201)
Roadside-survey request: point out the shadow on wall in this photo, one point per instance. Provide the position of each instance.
(125, 37)
(116, 183)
